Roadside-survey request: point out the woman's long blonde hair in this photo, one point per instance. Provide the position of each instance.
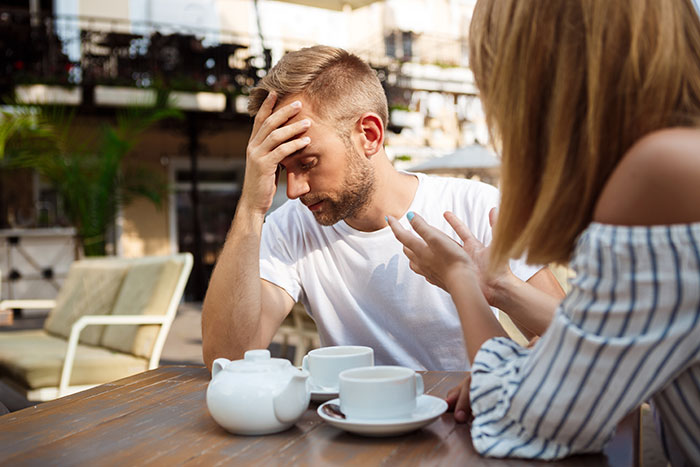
(568, 86)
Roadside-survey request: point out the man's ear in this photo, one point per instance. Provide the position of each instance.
(371, 130)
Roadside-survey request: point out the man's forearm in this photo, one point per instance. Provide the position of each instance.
(531, 305)
(231, 313)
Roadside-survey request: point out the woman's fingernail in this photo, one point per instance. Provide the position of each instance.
(410, 215)
(386, 218)
(461, 416)
(296, 104)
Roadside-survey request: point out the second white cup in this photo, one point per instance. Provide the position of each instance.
(379, 392)
(326, 363)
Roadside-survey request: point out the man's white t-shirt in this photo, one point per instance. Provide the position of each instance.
(358, 287)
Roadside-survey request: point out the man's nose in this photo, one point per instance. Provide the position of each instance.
(297, 185)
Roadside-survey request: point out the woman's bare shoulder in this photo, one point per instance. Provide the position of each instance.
(657, 181)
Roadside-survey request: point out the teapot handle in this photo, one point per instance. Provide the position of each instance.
(218, 365)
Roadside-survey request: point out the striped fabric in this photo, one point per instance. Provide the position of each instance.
(629, 330)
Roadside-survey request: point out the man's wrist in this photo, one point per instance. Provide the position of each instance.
(250, 210)
(247, 220)
(503, 291)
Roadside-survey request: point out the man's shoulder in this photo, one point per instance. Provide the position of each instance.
(463, 189)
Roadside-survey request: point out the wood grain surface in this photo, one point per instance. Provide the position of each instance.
(160, 417)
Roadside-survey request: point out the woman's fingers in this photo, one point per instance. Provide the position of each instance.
(493, 216)
(462, 231)
(452, 396)
(462, 408)
(422, 228)
(408, 240)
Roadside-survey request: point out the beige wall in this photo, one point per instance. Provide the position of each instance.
(145, 229)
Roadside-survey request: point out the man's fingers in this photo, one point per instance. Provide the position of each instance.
(462, 230)
(264, 111)
(283, 134)
(273, 121)
(288, 148)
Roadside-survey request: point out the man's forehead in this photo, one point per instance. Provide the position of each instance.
(307, 109)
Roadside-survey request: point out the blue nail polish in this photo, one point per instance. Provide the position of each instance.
(386, 218)
(410, 215)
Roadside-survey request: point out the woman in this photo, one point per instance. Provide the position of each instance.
(595, 106)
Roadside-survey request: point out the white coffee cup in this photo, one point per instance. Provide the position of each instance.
(379, 392)
(326, 363)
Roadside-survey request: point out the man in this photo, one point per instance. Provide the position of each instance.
(320, 116)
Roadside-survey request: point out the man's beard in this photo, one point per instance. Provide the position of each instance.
(354, 196)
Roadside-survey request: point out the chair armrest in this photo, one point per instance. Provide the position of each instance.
(27, 304)
(90, 320)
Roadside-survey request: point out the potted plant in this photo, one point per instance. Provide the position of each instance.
(88, 173)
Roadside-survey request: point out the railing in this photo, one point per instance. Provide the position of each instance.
(89, 51)
(75, 50)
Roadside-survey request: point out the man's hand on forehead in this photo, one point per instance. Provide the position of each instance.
(273, 139)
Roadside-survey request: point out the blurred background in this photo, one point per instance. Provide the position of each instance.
(85, 65)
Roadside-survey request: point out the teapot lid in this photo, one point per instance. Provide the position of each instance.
(258, 361)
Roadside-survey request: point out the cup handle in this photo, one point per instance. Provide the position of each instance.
(305, 363)
(419, 385)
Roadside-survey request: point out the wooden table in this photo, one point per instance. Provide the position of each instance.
(160, 417)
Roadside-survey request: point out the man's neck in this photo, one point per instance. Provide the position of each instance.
(393, 195)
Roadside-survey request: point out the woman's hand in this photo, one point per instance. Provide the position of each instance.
(448, 265)
(434, 255)
(458, 401)
(489, 281)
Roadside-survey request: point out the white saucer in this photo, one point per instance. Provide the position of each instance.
(322, 394)
(428, 408)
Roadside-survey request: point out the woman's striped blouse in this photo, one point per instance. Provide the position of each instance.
(629, 330)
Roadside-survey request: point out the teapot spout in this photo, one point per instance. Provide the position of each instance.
(294, 398)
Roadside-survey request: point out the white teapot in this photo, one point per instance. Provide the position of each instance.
(257, 395)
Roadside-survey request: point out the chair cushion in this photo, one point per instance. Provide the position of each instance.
(90, 288)
(35, 359)
(147, 290)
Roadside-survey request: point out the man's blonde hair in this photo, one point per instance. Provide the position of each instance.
(568, 86)
(339, 85)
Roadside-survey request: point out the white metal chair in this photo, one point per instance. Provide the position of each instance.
(110, 320)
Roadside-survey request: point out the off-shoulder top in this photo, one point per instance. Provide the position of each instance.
(628, 331)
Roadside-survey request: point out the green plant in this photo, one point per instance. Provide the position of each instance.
(87, 172)
(399, 107)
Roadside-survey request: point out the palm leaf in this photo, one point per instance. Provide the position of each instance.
(86, 171)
